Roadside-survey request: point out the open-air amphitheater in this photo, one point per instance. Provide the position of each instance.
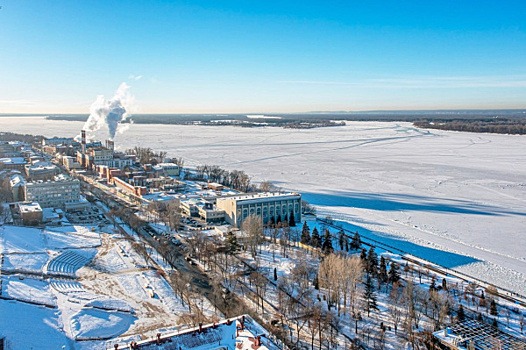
(67, 263)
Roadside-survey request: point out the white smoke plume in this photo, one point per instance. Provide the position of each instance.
(110, 112)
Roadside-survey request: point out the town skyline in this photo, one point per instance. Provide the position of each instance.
(282, 57)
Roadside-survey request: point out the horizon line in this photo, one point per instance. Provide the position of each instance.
(4, 114)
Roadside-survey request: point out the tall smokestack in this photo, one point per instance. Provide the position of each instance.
(83, 140)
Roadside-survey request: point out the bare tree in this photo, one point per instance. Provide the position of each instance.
(395, 313)
(266, 186)
(253, 228)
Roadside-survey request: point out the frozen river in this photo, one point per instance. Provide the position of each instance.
(426, 191)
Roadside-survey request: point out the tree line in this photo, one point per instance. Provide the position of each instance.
(494, 125)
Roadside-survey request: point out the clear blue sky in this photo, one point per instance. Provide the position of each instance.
(262, 56)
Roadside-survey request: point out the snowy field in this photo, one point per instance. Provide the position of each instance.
(75, 289)
(430, 191)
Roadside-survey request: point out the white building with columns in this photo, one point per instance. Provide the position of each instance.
(268, 205)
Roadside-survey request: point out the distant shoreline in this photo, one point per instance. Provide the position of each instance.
(486, 121)
(479, 121)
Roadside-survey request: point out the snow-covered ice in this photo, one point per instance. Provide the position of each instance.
(464, 193)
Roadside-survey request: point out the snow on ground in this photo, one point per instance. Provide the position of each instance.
(71, 237)
(27, 289)
(22, 240)
(30, 262)
(26, 326)
(96, 324)
(464, 193)
(100, 287)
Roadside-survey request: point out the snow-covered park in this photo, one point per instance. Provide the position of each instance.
(70, 287)
(427, 192)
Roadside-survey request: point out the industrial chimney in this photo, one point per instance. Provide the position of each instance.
(83, 140)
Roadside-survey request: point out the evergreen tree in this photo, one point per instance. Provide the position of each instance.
(382, 273)
(341, 239)
(394, 273)
(372, 262)
(305, 234)
(292, 220)
(369, 295)
(327, 247)
(232, 246)
(356, 241)
(460, 313)
(363, 256)
(315, 239)
(493, 308)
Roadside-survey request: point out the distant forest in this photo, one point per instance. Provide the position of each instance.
(489, 121)
(496, 126)
(31, 139)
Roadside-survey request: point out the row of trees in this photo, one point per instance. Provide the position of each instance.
(145, 155)
(168, 212)
(236, 179)
(325, 242)
(498, 126)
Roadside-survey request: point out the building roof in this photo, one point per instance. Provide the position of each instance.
(42, 166)
(17, 180)
(13, 160)
(265, 195)
(33, 207)
(226, 334)
(56, 178)
(481, 336)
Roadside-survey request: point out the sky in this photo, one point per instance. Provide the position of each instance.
(234, 56)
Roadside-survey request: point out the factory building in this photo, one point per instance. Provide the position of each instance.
(95, 154)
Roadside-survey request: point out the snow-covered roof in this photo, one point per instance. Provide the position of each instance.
(17, 180)
(13, 160)
(29, 207)
(240, 333)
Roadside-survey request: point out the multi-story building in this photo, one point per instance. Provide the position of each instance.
(56, 193)
(14, 163)
(269, 206)
(167, 169)
(30, 213)
(41, 171)
(93, 155)
(70, 162)
(17, 184)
